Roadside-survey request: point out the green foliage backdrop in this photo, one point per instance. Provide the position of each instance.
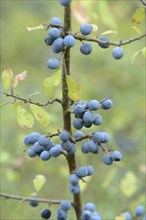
(99, 76)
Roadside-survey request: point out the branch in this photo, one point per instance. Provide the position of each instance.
(144, 3)
(51, 101)
(22, 199)
(120, 43)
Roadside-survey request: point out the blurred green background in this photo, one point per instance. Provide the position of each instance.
(113, 189)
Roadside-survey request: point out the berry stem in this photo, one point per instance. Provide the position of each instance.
(65, 106)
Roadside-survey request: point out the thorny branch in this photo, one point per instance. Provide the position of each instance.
(30, 101)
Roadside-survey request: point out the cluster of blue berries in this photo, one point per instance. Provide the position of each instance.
(74, 178)
(83, 113)
(90, 213)
(63, 209)
(42, 146)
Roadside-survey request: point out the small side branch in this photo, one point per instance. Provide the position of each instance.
(51, 101)
(22, 199)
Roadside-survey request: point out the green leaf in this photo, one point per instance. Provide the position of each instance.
(109, 178)
(106, 15)
(142, 51)
(52, 81)
(73, 88)
(109, 32)
(95, 27)
(38, 182)
(7, 77)
(24, 118)
(84, 184)
(128, 184)
(138, 31)
(138, 16)
(41, 115)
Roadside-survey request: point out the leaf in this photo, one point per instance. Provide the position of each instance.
(142, 51)
(52, 81)
(24, 118)
(109, 178)
(7, 77)
(138, 16)
(95, 27)
(41, 115)
(38, 182)
(39, 27)
(73, 89)
(121, 217)
(109, 32)
(84, 185)
(106, 15)
(138, 31)
(128, 184)
(19, 78)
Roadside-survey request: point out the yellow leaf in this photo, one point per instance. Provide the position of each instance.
(41, 115)
(128, 184)
(38, 182)
(24, 118)
(7, 77)
(18, 78)
(138, 16)
(84, 185)
(73, 88)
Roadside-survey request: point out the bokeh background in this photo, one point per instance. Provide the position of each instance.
(113, 189)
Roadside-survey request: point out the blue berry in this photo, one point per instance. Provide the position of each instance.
(78, 110)
(31, 138)
(78, 134)
(90, 206)
(33, 203)
(117, 156)
(104, 45)
(69, 41)
(56, 150)
(94, 105)
(53, 63)
(55, 20)
(106, 137)
(107, 104)
(82, 172)
(86, 215)
(85, 147)
(117, 53)
(45, 142)
(38, 148)
(139, 210)
(58, 45)
(61, 214)
(88, 117)
(64, 136)
(127, 216)
(98, 137)
(74, 189)
(48, 40)
(86, 29)
(73, 179)
(72, 150)
(45, 213)
(31, 152)
(78, 123)
(107, 159)
(54, 33)
(92, 147)
(90, 170)
(97, 119)
(86, 48)
(65, 3)
(45, 155)
(65, 205)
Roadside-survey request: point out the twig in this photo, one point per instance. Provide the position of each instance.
(30, 101)
(22, 198)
